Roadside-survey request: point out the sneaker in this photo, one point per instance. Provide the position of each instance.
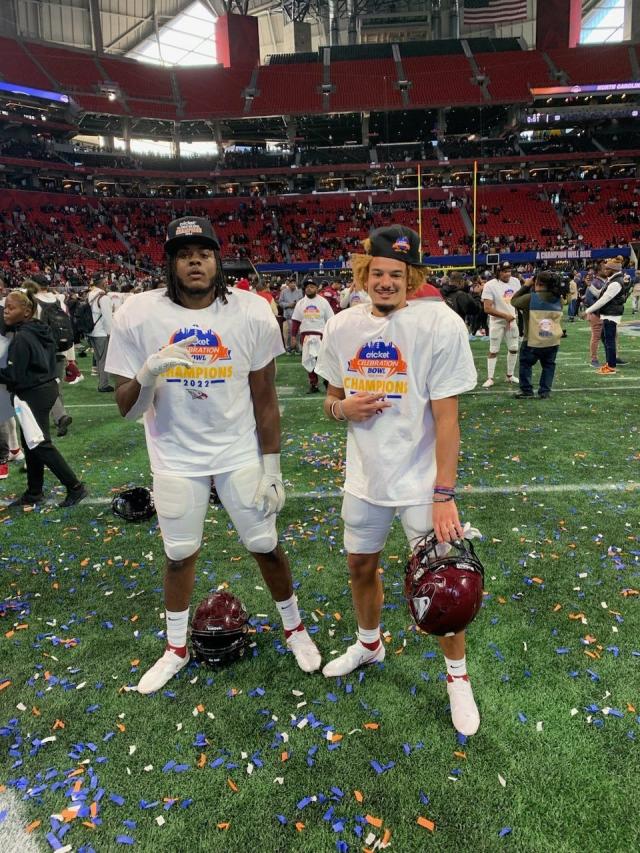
(74, 496)
(305, 651)
(522, 396)
(16, 455)
(595, 363)
(63, 425)
(355, 656)
(513, 380)
(620, 363)
(464, 711)
(27, 500)
(106, 390)
(605, 370)
(79, 378)
(162, 671)
(488, 384)
(4, 470)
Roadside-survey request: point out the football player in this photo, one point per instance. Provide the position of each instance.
(197, 360)
(308, 321)
(395, 370)
(496, 301)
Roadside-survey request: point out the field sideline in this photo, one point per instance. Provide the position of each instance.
(262, 757)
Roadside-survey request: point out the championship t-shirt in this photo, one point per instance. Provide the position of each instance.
(312, 314)
(500, 294)
(413, 356)
(201, 421)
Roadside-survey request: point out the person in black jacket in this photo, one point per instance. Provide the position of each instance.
(30, 374)
(457, 298)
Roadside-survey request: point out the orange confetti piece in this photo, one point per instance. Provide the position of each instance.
(372, 726)
(557, 607)
(299, 826)
(631, 709)
(9, 634)
(88, 824)
(77, 772)
(460, 754)
(32, 826)
(284, 756)
(121, 727)
(336, 738)
(374, 821)
(36, 712)
(386, 838)
(84, 562)
(202, 760)
(135, 662)
(537, 580)
(69, 814)
(359, 796)
(57, 725)
(55, 585)
(337, 617)
(501, 600)
(135, 617)
(232, 785)
(224, 825)
(592, 655)
(93, 809)
(3, 788)
(4, 684)
(200, 708)
(426, 823)
(78, 785)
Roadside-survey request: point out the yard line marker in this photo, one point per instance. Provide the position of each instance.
(524, 488)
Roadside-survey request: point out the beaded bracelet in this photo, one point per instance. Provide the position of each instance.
(444, 490)
(443, 499)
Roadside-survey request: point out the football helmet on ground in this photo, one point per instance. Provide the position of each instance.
(219, 629)
(443, 590)
(134, 504)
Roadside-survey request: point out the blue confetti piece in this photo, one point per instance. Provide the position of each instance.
(130, 824)
(282, 819)
(332, 697)
(169, 766)
(117, 799)
(563, 650)
(424, 798)
(338, 793)
(3, 814)
(125, 839)
(522, 717)
(506, 830)
(53, 841)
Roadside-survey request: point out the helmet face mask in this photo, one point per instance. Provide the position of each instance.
(134, 504)
(220, 629)
(444, 593)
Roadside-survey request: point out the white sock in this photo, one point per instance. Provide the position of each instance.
(369, 636)
(491, 367)
(512, 357)
(456, 667)
(14, 444)
(289, 613)
(177, 625)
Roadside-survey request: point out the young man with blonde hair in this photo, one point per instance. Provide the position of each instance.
(395, 369)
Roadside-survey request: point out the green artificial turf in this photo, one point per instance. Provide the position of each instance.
(554, 654)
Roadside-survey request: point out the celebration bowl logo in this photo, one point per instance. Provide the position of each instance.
(209, 347)
(402, 245)
(378, 358)
(311, 312)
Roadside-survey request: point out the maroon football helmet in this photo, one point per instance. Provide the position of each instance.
(444, 594)
(219, 629)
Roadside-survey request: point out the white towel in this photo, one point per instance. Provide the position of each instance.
(30, 429)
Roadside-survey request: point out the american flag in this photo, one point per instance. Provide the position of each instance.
(487, 12)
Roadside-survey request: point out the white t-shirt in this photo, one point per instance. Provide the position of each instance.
(101, 311)
(349, 298)
(312, 314)
(202, 419)
(500, 294)
(416, 354)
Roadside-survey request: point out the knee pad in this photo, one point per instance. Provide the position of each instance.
(180, 513)
(260, 540)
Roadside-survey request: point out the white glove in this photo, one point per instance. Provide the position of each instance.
(270, 495)
(173, 355)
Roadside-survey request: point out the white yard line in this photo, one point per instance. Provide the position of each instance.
(12, 829)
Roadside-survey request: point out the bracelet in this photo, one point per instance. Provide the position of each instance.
(333, 414)
(444, 490)
(442, 499)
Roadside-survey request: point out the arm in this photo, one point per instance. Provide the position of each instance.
(132, 398)
(609, 293)
(270, 494)
(522, 298)
(106, 307)
(295, 328)
(489, 308)
(15, 373)
(446, 522)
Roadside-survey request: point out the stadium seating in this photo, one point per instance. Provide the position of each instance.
(74, 70)
(600, 207)
(512, 74)
(594, 64)
(288, 88)
(16, 66)
(138, 79)
(440, 81)
(215, 92)
(369, 84)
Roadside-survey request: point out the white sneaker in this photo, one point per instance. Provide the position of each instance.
(79, 378)
(355, 656)
(513, 380)
(305, 651)
(16, 455)
(464, 711)
(488, 384)
(162, 671)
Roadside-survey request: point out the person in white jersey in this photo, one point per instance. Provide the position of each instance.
(197, 359)
(308, 320)
(395, 370)
(496, 300)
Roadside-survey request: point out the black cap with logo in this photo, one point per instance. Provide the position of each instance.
(504, 266)
(398, 243)
(190, 229)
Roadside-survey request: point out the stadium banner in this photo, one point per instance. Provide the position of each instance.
(466, 260)
(478, 13)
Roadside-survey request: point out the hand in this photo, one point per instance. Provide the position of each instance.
(364, 405)
(270, 496)
(173, 355)
(446, 522)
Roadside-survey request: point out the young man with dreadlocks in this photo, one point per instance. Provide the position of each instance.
(197, 359)
(395, 369)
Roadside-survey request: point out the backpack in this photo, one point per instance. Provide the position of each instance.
(59, 323)
(83, 318)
